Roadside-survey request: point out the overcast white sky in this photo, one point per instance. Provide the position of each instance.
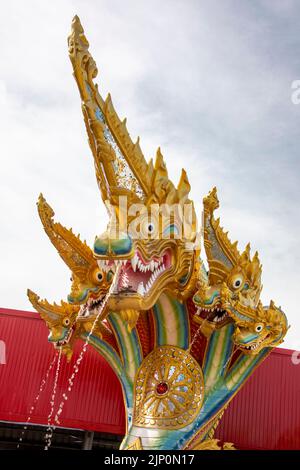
(209, 81)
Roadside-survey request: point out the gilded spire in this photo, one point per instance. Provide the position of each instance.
(75, 253)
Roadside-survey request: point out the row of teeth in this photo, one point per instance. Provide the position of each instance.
(218, 319)
(136, 262)
(142, 290)
(125, 280)
(215, 309)
(253, 346)
(105, 264)
(66, 340)
(87, 308)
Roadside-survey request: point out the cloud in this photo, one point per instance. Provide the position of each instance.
(208, 82)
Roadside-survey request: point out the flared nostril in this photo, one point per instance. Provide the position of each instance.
(121, 245)
(101, 246)
(118, 246)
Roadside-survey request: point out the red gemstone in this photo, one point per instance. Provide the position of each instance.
(162, 388)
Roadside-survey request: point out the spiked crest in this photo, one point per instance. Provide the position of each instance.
(223, 255)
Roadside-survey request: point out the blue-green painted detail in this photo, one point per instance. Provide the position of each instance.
(64, 332)
(113, 360)
(212, 404)
(88, 88)
(83, 295)
(198, 299)
(180, 323)
(226, 349)
(183, 279)
(255, 360)
(212, 297)
(99, 115)
(131, 339)
(182, 315)
(101, 246)
(249, 338)
(239, 315)
(121, 246)
(159, 330)
(171, 229)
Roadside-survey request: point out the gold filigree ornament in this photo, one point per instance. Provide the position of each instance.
(135, 445)
(169, 389)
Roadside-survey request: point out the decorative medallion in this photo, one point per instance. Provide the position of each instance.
(169, 389)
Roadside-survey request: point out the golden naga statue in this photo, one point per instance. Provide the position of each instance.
(181, 340)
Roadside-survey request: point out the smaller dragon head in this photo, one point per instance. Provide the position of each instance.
(66, 322)
(61, 321)
(259, 328)
(90, 283)
(232, 275)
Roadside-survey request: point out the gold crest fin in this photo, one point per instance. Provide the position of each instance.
(184, 186)
(51, 312)
(104, 127)
(75, 253)
(221, 253)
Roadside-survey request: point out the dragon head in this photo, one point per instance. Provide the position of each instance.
(151, 232)
(66, 322)
(90, 283)
(232, 275)
(258, 328)
(89, 287)
(61, 321)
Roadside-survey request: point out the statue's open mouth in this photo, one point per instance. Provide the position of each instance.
(215, 315)
(252, 346)
(67, 338)
(91, 307)
(138, 275)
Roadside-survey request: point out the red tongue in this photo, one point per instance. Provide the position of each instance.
(129, 279)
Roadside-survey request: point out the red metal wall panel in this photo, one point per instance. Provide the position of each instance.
(95, 402)
(265, 414)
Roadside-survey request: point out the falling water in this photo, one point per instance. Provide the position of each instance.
(196, 335)
(229, 359)
(35, 401)
(81, 355)
(49, 432)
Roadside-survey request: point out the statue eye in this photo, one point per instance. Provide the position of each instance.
(150, 228)
(258, 328)
(237, 282)
(66, 321)
(97, 276)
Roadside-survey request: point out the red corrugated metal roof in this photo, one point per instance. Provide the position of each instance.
(95, 402)
(265, 414)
